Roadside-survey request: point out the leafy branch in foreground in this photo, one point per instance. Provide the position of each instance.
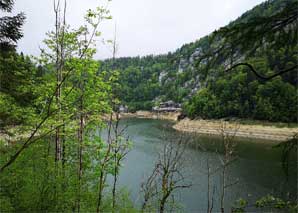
(58, 43)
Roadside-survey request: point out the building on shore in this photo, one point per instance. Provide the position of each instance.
(168, 106)
(123, 109)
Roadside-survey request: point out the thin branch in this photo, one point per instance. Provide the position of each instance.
(259, 75)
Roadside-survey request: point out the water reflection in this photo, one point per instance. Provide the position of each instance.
(258, 166)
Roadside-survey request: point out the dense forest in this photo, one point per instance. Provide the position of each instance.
(62, 145)
(195, 74)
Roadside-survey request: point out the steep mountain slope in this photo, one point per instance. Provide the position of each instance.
(188, 76)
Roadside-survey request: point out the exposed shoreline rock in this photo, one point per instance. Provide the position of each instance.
(173, 116)
(214, 127)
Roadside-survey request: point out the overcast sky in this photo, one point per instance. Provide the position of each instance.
(143, 26)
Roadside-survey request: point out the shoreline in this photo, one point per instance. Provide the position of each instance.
(200, 126)
(220, 127)
(172, 116)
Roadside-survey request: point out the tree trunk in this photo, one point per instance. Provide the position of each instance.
(80, 153)
(99, 200)
(116, 161)
(222, 200)
(208, 187)
(114, 188)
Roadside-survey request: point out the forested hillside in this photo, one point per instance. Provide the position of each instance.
(196, 74)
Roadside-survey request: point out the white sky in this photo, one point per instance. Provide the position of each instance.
(143, 26)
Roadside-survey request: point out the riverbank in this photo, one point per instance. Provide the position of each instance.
(173, 116)
(219, 127)
(244, 129)
(253, 129)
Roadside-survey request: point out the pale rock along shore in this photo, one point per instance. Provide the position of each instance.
(220, 127)
(173, 116)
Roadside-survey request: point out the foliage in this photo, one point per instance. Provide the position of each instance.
(236, 96)
(264, 37)
(61, 98)
(61, 103)
(32, 185)
(10, 26)
(266, 203)
(203, 104)
(17, 73)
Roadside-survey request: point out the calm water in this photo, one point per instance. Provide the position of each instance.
(258, 168)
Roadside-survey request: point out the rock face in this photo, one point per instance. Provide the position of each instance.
(161, 76)
(183, 64)
(196, 54)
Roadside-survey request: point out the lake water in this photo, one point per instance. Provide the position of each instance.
(258, 167)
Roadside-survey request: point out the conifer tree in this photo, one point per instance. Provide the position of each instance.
(10, 26)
